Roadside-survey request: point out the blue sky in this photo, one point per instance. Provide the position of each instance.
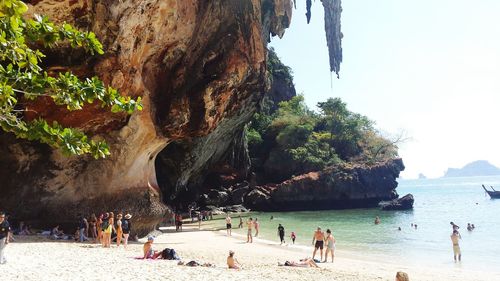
(430, 68)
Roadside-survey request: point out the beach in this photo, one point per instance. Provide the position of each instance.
(35, 258)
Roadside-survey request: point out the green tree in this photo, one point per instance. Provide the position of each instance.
(21, 77)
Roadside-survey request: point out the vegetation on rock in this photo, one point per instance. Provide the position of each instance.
(22, 79)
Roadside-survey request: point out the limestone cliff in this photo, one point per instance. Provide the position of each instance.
(199, 67)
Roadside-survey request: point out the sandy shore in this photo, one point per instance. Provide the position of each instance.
(36, 258)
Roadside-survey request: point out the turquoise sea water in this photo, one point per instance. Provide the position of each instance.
(437, 202)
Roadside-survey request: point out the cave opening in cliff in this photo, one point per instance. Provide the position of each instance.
(169, 166)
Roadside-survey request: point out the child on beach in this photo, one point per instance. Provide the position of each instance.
(293, 236)
(232, 262)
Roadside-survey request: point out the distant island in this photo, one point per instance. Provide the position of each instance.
(476, 168)
(421, 176)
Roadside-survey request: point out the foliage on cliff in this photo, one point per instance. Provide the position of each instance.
(296, 140)
(23, 79)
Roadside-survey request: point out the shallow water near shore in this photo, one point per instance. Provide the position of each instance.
(437, 202)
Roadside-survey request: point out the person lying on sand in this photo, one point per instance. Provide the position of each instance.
(232, 262)
(195, 263)
(149, 253)
(307, 262)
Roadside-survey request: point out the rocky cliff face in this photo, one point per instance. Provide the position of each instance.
(199, 67)
(350, 186)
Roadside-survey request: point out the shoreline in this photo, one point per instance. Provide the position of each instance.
(32, 258)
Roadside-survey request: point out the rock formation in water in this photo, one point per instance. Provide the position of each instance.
(403, 203)
(341, 187)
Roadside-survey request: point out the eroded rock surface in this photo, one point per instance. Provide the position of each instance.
(199, 67)
(351, 186)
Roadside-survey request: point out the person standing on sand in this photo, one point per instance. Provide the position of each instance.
(107, 228)
(330, 245)
(4, 236)
(228, 225)
(256, 225)
(200, 218)
(249, 231)
(318, 239)
(82, 228)
(126, 227)
(93, 227)
(119, 229)
(281, 233)
(99, 229)
(455, 236)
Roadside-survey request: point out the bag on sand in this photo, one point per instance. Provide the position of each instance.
(169, 254)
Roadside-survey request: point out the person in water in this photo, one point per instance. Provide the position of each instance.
(257, 226)
(318, 240)
(455, 237)
(377, 220)
(228, 225)
(232, 262)
(281, 234)
(241, 222)
(330, 245)
(293, 237)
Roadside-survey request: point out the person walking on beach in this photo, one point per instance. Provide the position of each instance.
(228, 225)
(455, 237)
(330, 245)
(281, 233)
(126, 227)
(257, 226)
(249, 231)
(293, 236)
(318, 239)
(4, 236)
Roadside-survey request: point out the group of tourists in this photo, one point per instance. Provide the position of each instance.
(102, 229)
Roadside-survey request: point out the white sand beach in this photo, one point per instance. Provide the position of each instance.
(34, 258)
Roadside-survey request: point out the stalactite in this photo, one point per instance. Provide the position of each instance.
(308, 9)
(334, 35)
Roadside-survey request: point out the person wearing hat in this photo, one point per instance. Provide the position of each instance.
(149, 253)
(126, 226)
